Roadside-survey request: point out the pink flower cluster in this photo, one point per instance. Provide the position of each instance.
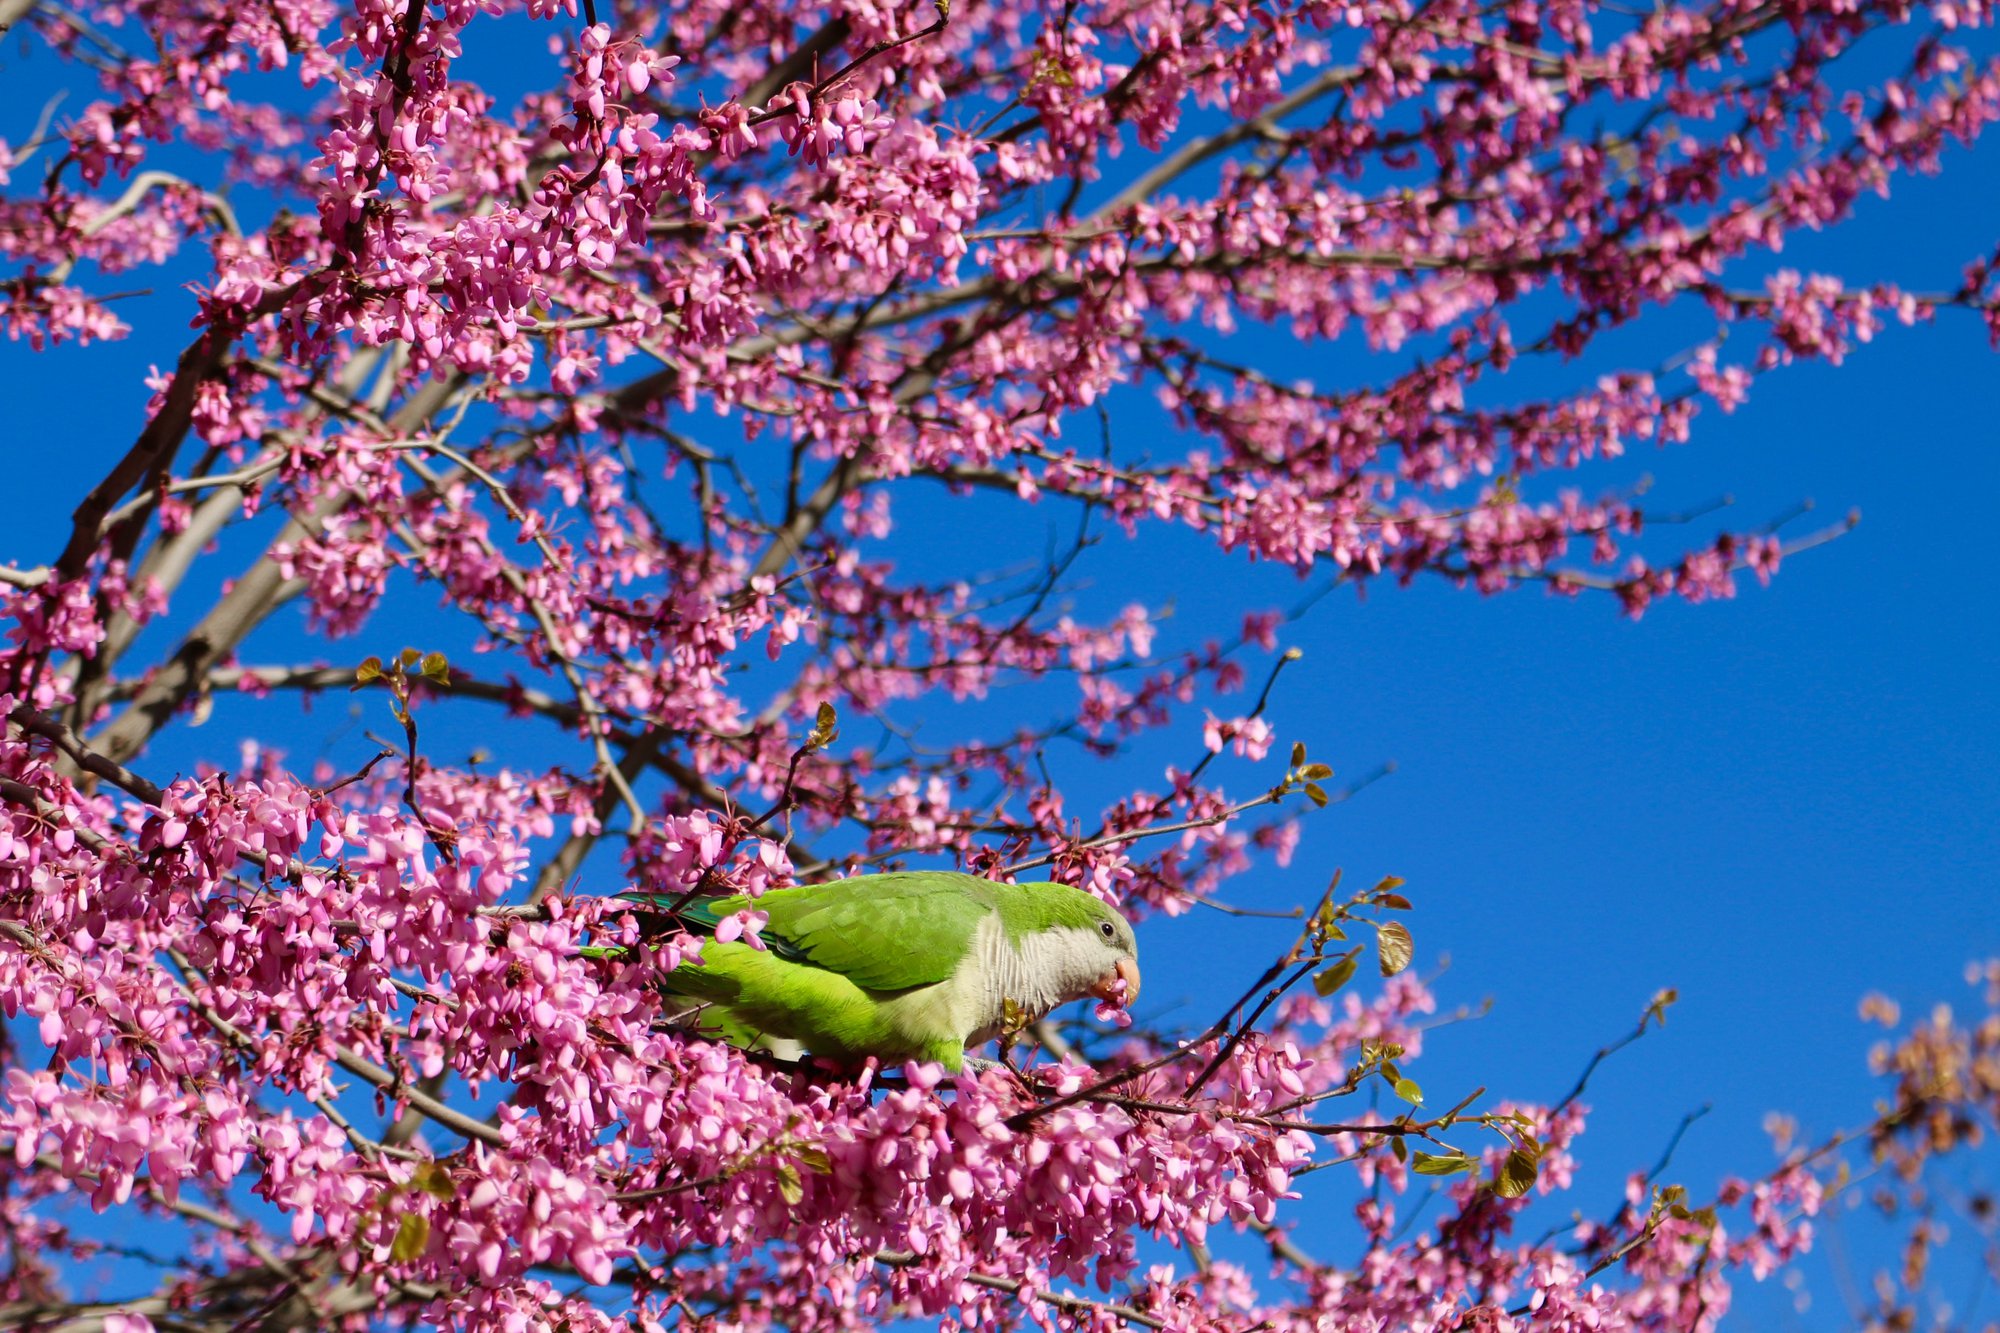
(642, 361)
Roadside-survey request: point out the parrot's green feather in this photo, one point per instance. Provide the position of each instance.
(753, 995)
(930, 917)
(897, 965)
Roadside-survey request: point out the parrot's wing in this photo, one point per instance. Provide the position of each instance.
(884, 932)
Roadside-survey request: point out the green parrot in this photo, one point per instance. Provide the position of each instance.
(915, 965)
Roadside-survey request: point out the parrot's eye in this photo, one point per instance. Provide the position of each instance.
(1109, 931)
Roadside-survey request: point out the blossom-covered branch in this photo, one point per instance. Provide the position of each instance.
(711, 313)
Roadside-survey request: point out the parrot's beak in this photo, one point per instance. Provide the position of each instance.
(1127, 972)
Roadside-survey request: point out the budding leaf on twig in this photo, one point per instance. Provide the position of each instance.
(826, 726)
(1393, 942)
(435, 1180)
(413, 1237)
(1428, 1164)
(1331, 979)
(1517, 1174)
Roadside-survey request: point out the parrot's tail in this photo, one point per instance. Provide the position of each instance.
(662, 914)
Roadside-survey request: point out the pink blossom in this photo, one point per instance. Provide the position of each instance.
(623, 382)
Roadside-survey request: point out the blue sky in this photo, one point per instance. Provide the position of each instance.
(1774, 804)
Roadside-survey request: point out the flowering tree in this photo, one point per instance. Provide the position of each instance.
(627, 373)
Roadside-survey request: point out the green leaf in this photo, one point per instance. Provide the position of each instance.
(1516, 1175)
(790, 1188)
(410, 657)
(826, 725)
(1389, 884)
(814, 1159)
(1393, 942)
(1317, 793)
(1425, 1164)
(1298, 753)
(413, 1237)
(370, 669)
(1657, 1010)
(1316, 772)
(434, 1179)
(437, 669)
(1401, 1149)
(1331, 979)
(1393, 902)
(1407, 1089)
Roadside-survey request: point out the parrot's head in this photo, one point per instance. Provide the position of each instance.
(1077, 945)
(1119, 983)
